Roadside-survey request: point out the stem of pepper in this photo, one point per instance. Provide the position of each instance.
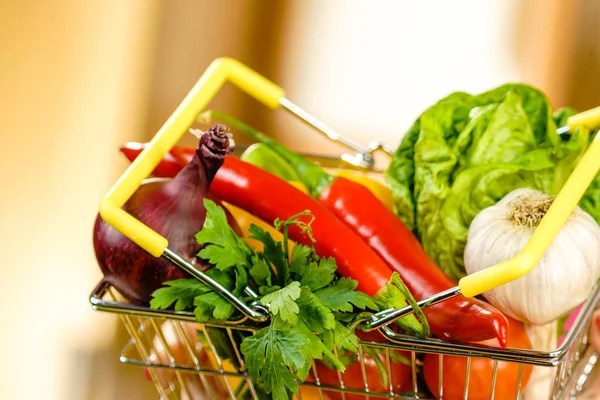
(311, 175)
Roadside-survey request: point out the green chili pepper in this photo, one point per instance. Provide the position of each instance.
(268, 159)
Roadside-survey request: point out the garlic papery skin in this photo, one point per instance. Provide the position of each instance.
(543, 338)
(564, 276)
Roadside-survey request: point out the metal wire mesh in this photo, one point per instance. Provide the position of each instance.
(186, 361)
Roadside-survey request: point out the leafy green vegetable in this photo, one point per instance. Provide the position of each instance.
(316, 316)
(317, 275)
(342, 295)
(271, 353)
(184, 293)
(212, 306)
(181, 292)
(342, 336)
(395, 295)
(273, 251)
(282, 302)
(309, 305)
(466, 152)
(260, 271)
(300, 259)
(227, 249)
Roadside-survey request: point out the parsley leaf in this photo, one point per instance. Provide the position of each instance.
(265, 290)
(187, 293)
(282, 302)
(226, 249)
(318, 275)
(313, 313)
(342, 337)
(316, 350)
(299, 259)
(341, 296)
(241, 280)
(271, 352)
(180, 291)
(212, 306)
(221, 257)
(273, 251)
(260, 271)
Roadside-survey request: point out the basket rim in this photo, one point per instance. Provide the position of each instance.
(396, 341)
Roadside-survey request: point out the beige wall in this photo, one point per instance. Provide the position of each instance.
(73, 80)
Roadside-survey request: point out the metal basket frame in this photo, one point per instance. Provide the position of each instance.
(573, 359)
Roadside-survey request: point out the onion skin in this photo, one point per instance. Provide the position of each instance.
(172, 207)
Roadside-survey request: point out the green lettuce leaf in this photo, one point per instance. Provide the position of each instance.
(467, 152)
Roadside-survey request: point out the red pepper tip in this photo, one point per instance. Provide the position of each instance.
(597, 320)
(501, 328)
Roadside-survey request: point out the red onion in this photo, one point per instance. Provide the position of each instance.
(172, 207)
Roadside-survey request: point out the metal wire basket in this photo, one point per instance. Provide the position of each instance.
(188, 365)
(185, 363)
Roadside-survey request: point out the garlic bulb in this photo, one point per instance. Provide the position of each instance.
(563, 277)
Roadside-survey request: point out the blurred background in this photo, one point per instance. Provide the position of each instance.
(79, 78)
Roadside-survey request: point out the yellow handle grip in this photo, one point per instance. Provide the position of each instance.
(551, 224)
(220, 71)
(590, 118)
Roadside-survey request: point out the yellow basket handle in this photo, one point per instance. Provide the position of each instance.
(226, 69)
(220, 71)
(553, 221)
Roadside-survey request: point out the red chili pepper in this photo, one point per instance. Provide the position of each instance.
(269, 197)
(183, 154)
(168, 167)
(459, 318)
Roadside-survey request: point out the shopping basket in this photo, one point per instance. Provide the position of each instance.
(196, 369)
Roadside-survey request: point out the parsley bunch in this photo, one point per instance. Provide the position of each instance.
(309, 305)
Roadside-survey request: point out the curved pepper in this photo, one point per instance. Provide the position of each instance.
(458, 318)
(268, 197)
